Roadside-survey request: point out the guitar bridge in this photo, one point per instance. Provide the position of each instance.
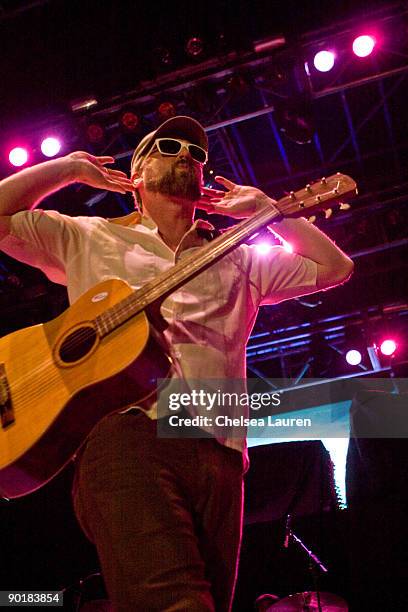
(6, 408)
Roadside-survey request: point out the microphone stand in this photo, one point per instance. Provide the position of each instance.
(314, 561)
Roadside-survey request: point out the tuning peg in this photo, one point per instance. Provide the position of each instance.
(312, 219)
(344, 206)
(328, 213)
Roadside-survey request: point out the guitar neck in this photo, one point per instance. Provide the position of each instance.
(167, 282)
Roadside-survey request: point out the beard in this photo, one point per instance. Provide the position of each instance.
(180, 181)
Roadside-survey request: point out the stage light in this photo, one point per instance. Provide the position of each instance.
(388, 347)
(84, 104)
(194, 47)
(363, 45)
(324, 61)
(166, 110)
(50, 146)
(95, 133)
(18, 156)
(263, 248)
(353, 357)
(269, 44)
(129, 120)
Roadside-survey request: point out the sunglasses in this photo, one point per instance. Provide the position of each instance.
(172, 146)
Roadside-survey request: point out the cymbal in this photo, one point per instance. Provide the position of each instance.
(307, 602)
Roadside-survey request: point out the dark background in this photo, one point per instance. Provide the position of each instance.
(54, 51)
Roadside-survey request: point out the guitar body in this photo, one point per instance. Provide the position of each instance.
(58, 379)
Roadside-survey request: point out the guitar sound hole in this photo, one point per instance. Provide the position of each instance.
(77, 345)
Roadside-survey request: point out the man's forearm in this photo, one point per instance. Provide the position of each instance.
(334, 266)
(25, 189)
(309, 241)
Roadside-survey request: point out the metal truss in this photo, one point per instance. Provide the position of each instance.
(292, 352)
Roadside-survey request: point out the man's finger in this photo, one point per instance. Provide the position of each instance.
(123, 181)
(120, 186)
(219, 209)
(116, 172)
(116, 189)
(205, 206)
(104, 159)
(226, 182)
(127, 186)
(210, 191)
(119, 177)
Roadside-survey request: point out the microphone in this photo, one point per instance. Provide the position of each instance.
(287, 530)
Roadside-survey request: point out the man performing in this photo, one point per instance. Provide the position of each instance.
(165, 514)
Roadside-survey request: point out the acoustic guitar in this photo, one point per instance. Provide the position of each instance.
(105, 352)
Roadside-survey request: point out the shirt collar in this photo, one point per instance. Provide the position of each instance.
(135, 218)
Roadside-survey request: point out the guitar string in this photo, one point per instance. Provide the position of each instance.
(37, 373)
(39, 369)
(34, 386)
(52, 380)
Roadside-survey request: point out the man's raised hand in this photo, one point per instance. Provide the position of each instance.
(239, 201)
(92, 170)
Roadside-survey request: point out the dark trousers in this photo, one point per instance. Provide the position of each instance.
(165, 515)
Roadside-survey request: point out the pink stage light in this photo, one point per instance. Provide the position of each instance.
(388, 347)
(363, 45)
(263, 247)
(353, 357)
(18, 156)
(324, 61)
(50, 146)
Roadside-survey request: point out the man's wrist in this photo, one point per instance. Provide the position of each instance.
(71, 171)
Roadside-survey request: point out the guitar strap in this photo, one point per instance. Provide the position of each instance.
(208, 234)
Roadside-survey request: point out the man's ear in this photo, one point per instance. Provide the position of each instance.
(137, 182)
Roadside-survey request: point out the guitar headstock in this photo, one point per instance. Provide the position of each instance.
(318, 196)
